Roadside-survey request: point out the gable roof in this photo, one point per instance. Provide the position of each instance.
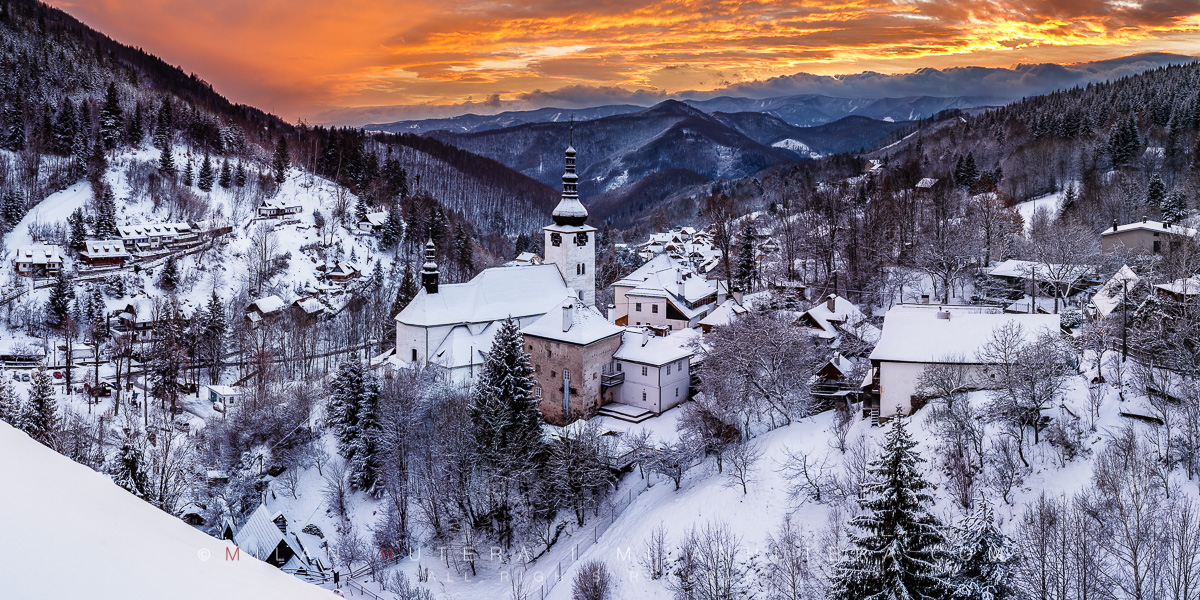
(104, 249)
(845, 315)
(656, 352)
(1109, 297)
(492, 295)
(39, 254)
(588, 326)
(267, 305)
(916, 334)
(260, 536)
(724, 314)
(1020, 269)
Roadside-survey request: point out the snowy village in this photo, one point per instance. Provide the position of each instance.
(761, 342)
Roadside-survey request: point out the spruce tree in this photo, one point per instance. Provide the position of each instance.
(166, 163)
(505, 419)
(136, 131)
(188, 174)
(14, 128)
(59, 304)
(405, 293)
(239, 177)
(64, 129)
(747, 261)
(353, 413)
(464, 253)
(11, 208)
(393, 229)
(39, 418)
(1156, 191)
(168, 280)
(226, 178)
(1174, 207)
(106, 216)
(980, 557)
(110, 118)
(78, 230)
(205, 181)
(896, 542)
(97, 164)
(164, 126)
(10, 404)
(281, 161)
(128, 471)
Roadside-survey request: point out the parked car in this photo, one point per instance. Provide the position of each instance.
(58, 375)
(25, 377)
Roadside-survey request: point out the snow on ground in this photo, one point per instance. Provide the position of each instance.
(70, 532)
(1050, 202)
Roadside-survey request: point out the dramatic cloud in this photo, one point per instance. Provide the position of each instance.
(344, 61)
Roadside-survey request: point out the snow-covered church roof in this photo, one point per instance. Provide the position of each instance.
(492, 295)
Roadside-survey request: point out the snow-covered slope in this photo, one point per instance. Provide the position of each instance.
(70, 532)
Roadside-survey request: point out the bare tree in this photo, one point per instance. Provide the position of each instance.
(789, 571)
(592, 582)
(743, 459)
(654, 552)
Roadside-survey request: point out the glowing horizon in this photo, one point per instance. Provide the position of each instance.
(304, 59)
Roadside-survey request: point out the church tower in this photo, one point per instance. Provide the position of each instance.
(570, 243)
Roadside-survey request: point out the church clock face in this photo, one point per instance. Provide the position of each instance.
(581, 239)
(556, 239)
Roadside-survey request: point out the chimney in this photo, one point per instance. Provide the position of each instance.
(645, 335)
(737, 297)
(1114, 224)
(679, 283)
(568, 316)
(924, 298)
(429, 272)
(837, 358)
(1144, 219)
(831, 302)
(612, 313)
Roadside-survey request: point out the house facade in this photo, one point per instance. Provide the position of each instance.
(1145, 236)
(667, 294)
(38, 260)
(917, 336)
(569, 352)
(104, 253)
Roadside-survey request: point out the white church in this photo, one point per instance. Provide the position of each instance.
(452, 326)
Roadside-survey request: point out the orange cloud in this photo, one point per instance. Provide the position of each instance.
(299, 57)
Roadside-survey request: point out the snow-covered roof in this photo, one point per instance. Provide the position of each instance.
(133, 549)
(267, 305)
(927, 182)
(376, 219)
(724, 314)
(492, 295)
(39, 254)
(105, 249)
(655, 352)
(1155, 226)
(310, 306)
(1108, 298)
(1189, 286)
(586, 326)
(277, 203)
(667, 277)
(1025, 268)
(845, 315)
(260, 536)
(142, 230)
(1043, 304)
(917, 334)
(465, 345)
(225, 390)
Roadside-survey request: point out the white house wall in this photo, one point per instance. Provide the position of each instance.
(663, 391)
(898, 384)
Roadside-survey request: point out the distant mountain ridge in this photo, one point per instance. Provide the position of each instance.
(801, 110)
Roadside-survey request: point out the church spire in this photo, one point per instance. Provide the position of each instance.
(570, 210)
(429, 271)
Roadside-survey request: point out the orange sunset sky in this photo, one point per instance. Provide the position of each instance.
(311, 59)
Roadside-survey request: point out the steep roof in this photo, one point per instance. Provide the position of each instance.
(916, 334)
(492, 295)
(465, 345)
(1110, 295)
(724, 314)
(267, 305)
(661, 277)
(104, 249)
(1024, 268)
(260, 536)
(588, 326)
(845, 315)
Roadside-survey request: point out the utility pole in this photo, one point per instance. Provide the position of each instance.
(1124, 319)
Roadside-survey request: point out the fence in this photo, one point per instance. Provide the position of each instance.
(586, 538)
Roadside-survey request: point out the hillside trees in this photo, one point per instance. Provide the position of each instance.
(353, 414)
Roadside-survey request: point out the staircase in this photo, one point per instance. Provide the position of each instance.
(624, 412)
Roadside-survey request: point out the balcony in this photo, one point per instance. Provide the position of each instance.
(613, 379)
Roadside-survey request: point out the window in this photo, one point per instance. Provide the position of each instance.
(414, 355)
(637, 306)
(676, 392)
(580, 269)
(668, 369)
(553, 375)
(654, 308)
(643, 395)
(645, 371)
(566, 374)
(619, 369)
(537, 391)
